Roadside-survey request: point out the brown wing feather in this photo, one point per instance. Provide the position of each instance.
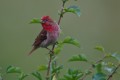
(40, 38)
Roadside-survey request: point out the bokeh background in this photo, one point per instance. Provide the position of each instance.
(99, 24)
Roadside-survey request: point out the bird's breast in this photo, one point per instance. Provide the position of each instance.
(51, 38)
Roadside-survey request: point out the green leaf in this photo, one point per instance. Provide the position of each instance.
(35, 21)
(37, 75)
(116, 56)
(12, 69)
(22, 76)
(57, 69)
(99, 76)
(42, 68)
(109, 66)
(87, 72)
(70, 40)
(108, 55)
(73, 75)
(80, 57)
(67, 77)
(100, 48)
(58, 48)
(99, 68)
(109, 69)
(67, 40)
(73, 9)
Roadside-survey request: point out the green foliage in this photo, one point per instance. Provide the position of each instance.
(73, 75)
(109, 69)
(12, 69)
(116, 56)
(73, 9)
(109, 66)
(88, 72)
(56, 69)
(80, 57)
(22, 76)
(35, 21)
(37, 75)
(42, 68)
(99, 76)
(58, 47)
(100, 48)
(99, 70)
(70, 40)
(67, 40)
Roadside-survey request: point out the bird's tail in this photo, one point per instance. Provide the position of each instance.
(32, 51)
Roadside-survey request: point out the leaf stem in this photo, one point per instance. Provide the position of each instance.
(52, 54)
(111, 75)
(91, 67)
(61, 13)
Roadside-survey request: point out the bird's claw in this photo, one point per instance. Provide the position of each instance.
(50, 51)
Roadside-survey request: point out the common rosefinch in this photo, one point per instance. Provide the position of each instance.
(48, 35)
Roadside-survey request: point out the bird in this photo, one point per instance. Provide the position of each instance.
(48, 35)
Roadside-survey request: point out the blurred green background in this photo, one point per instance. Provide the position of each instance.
(99, 24)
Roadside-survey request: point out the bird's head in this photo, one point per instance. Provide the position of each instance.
(47, 23)
(46, 19)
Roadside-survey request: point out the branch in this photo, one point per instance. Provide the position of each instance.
(91, 67)
(61, 13)
(48, 70)
(111, 75)
(52, 54)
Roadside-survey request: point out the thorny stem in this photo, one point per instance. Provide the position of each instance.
(111, 75)
(91, 67)
(52, 54)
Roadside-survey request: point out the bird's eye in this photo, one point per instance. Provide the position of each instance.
(45, 20)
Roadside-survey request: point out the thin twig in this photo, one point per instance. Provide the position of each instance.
(52, 54)
(48, 70)
(61, 13)
(91, 67)
(111, 75)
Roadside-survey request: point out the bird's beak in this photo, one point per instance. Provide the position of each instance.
(42, 21)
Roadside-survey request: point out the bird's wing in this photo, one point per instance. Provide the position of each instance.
(40, 38)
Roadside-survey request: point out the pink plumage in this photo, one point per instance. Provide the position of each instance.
(48, 35)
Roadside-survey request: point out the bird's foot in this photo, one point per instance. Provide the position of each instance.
(50, 50)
